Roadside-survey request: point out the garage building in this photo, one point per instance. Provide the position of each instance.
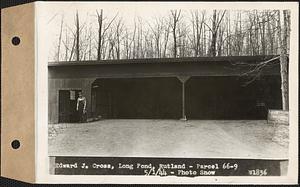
(166, 88)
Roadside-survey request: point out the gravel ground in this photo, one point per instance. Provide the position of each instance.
(167, 138)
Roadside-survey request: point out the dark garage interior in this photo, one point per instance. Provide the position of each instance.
(215, 97)
(227, 97)
(137, 98)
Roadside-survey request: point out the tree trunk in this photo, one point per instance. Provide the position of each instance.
(262, 32)
(59, 39)
(166, 39)
(174, 39)
(66, 45)
(90, 44)
(270, 34)
(100, 20)
(283, 60)
(214, 35)
(228, 51)
(77, 37)
(176, 18)
(72, 49)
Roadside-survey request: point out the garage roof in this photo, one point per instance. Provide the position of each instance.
(232, 59)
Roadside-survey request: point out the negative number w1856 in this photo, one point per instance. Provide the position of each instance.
(258, 172)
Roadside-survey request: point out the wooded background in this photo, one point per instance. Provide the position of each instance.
(179, 34)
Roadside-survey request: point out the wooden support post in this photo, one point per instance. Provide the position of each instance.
(183, 79)
(183, 101)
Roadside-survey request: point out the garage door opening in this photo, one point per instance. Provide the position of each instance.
(228, 98)
(137, 98)
(67, 106)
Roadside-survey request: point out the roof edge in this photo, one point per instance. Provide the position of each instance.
(249, 59)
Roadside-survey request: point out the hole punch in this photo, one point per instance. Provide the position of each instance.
(15, 40)
(15, 144)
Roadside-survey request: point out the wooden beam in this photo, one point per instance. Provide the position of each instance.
(183, 101)
(183, 80)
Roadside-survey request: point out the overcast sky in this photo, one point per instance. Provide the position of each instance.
(128, 11)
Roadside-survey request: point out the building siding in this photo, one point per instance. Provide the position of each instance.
(54, 85)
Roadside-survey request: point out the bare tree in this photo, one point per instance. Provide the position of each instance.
(166, 30)
(157, 31)
(197, 28)
(149, 44)
(216, 20)
(183, 43)
(77, 48)
(90, 43)
(238, 35)
(59, 39)
(101, 31)
(282, 37)
(77, 37)
(270, 33)
(111, 44)
(220, 41)
(262, 33)
(127, 43)
(72, 48)
(118, 37)
(133, 40)
(85, 42)
(140, 51)
(66, 45)
(175, 18)
(228, 35)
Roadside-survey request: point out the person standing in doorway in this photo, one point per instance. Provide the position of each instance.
(81, 108)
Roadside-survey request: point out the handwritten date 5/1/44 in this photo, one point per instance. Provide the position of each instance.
(159, 172)
(258, 172)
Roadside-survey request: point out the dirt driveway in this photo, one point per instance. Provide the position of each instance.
(166, 138)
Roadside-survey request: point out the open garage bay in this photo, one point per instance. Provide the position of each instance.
(137, 98)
